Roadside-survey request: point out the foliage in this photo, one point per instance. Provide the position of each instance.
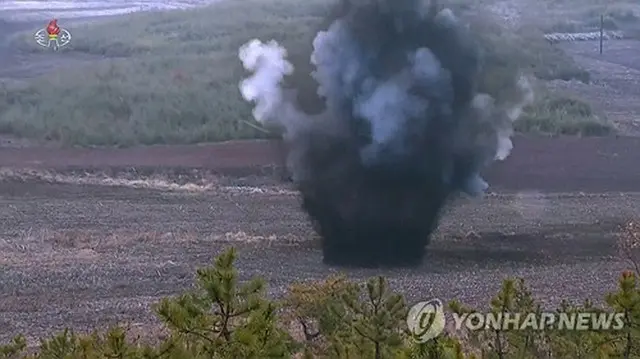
(168, 78)
(223, 317)
(562, 115)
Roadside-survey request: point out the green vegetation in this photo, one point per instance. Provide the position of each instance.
(173, 77)
(336, 318)
(507, 54)
(562, 116)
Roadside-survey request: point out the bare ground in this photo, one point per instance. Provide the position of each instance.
(105, 233)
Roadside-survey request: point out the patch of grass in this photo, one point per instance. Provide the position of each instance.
(562, 116)
(158, 78)
(508, 52)
(526, 49)
(167, 78)
(616, 16)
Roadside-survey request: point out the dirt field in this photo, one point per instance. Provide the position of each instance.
(87, 244)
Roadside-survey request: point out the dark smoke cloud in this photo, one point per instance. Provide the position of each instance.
(403, 131)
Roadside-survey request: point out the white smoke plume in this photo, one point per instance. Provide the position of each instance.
(403, 127)
(269, 66)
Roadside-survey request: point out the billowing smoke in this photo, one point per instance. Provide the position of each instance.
(403, 130)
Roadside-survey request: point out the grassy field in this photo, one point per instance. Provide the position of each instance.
(571, 16)
(173, 77)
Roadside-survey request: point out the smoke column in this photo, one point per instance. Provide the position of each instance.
(403, 130)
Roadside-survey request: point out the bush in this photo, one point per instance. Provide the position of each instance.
(155, 78)
(168, 78)
(337, 318)
(562, 115)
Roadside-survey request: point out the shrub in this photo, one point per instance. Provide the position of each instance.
(168, 78)
(225, 318)
(562, 115)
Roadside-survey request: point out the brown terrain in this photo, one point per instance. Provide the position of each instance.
(94, 236)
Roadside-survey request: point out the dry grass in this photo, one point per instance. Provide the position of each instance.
(163, 78)
(154, 182)
(51, 248)
(173, 77)
(621, 15)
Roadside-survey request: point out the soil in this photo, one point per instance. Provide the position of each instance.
(80, 248)
(549, 164)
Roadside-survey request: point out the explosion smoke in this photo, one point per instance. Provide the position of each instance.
(403, 130)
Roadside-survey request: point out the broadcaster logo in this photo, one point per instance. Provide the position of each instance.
(426, 321)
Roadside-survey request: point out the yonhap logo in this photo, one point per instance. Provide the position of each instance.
(426, 320)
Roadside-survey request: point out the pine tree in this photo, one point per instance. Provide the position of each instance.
(225, 319)
(626, 300)
(318, 308)
(569, 342)
(376, 319)
(341, 319)
(13, 349)
(442, 347)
